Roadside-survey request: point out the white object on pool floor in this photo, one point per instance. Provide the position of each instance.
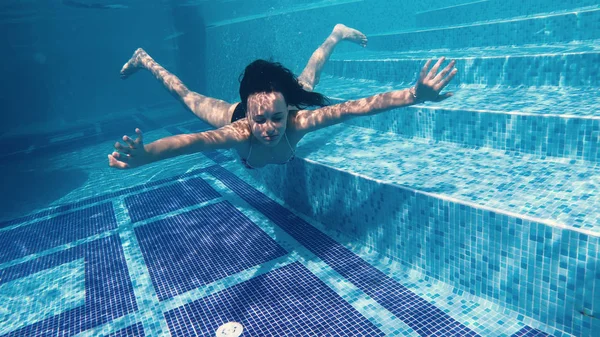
(230, 329)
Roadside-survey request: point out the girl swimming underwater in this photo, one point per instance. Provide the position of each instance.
(265, 127)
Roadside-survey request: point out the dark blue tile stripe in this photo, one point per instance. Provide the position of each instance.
(528, 331)
(118, 126)
(27, 218)
(23, 142)
(169, 198)
(217, 156)
(198, 126)
(36, 237)
(198, 247)
(136, 330)
(43, 145)
(173, 130)
(289, 301)
(149, 124)
(84, 202)
(417, 313)
(108, 289)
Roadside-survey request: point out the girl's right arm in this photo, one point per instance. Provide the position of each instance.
(135, 153)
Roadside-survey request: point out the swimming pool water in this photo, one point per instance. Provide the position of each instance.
(476, 216)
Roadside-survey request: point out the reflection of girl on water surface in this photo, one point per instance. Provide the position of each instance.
(265, 127)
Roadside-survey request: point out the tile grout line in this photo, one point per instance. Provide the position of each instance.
(145, 294)
(108, 327)
(103, 234)
(227, 282)
(57, 249)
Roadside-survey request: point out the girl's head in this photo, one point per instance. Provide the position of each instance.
(266, 90)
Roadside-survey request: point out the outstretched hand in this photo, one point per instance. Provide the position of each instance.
(132, 155)
(430, 83)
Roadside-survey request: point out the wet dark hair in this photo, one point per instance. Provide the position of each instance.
(267, 76)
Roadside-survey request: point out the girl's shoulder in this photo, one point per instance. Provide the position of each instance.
(294, 135)
(242, 130)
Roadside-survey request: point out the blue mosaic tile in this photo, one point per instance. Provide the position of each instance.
(532, 102)
(419, 314)
(109, 293)
(22, 147)
(83, 135)
(279, 303)
(218, 156)
(169, 198)
(503, 66)
(491, 10)
(518, 183)
(29, 217)
(136, 330)
(583, 26)
(197, 126)
(53, 143)
(530, 332)
(504, 259)
(46, 234)
(88, 201)
(195, 248)
(149, 124)
(121, 126)
(173, 130)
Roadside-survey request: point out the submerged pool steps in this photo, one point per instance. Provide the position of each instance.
(509, 229)
(542, 121)
(529, 65)
(476, 11)
(560, 27)
(493, 191)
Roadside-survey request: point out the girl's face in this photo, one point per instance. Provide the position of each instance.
(267, 115)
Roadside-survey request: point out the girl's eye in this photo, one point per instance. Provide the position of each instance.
(259, 121)
(277, 119)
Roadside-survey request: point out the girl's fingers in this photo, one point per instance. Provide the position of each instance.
(121, 157)
(424, 71)
(435, 68)
(443, 83)
(129, 142)
(140, 137)
(444, 96)
(122, 148)
(114, 162)
(445, 71)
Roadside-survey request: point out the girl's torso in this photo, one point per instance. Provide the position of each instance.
(253, 155)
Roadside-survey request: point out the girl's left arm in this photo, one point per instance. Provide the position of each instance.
(428, 88)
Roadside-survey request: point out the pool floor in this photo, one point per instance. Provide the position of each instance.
(182, 249)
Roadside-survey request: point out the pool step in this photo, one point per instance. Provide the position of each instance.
(541, 121)
(218, 14)
(477, 11)
(573, 64)
(526, 229)
(550, 190)
(540, 29)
